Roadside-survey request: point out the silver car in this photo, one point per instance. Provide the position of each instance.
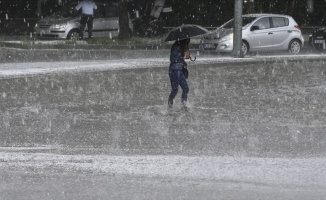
(65, 23)
(260, 32)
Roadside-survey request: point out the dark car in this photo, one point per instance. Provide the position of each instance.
(317, 39)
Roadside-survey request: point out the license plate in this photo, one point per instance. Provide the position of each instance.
(319, 41)
(209, 46)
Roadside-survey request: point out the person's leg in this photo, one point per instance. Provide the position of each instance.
(90, 26)
(82, 26)
(174, 78)
(185, 89)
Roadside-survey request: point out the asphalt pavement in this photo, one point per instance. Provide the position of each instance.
(97, 129)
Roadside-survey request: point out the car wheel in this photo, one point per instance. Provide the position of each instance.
(295, 46)
(73, 35)
(245, 48)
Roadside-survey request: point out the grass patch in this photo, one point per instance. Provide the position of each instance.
(131, 41)
(16, 37)
(94, 41)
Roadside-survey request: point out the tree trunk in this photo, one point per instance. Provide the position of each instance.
(237, 39)
(124, 31)
(39, 8)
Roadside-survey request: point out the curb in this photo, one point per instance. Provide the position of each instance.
(85, 45)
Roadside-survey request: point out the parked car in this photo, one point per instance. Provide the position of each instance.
(317, 39)
(65, 23)
(260, 32)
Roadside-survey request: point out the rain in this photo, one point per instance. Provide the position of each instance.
(89, 119)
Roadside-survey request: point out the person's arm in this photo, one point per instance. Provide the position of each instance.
(79, 6)
(184, 63)
(183, 55)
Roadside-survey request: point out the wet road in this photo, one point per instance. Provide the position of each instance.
(258, 133)
(50, 173)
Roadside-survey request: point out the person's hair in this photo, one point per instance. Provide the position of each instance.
(185, 41)
(184, 45)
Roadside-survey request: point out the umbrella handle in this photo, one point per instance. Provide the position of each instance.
(193, 59)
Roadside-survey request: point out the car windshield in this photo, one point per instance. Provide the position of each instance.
(245, 22)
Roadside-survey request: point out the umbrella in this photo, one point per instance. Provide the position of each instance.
(185, 31)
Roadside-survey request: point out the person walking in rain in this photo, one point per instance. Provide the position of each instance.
(87, 7)
(177, 68)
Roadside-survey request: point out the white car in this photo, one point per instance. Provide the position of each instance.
(260, 32)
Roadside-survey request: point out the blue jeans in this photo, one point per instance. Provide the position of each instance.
(177, 78)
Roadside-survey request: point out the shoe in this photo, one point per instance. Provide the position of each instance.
(184, 103)
(185, 108)
(170, 104)
(170, 108)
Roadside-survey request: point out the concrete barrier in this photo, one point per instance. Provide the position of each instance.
(272, 108)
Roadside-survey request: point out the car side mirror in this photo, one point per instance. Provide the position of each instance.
(254, 28)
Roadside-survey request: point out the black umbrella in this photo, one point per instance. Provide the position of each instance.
(185, 31)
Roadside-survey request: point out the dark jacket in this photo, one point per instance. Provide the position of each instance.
(177, 60)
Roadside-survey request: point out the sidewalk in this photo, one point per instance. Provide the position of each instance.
(61, 50)
(152, 44)
(9, 55)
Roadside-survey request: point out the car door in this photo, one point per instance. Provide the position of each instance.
(111, 20)
(99, 21)
(261, 37)
(281, 32)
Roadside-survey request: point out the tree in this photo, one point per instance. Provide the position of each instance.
(237, 41)
(39, 8)
(124, 30)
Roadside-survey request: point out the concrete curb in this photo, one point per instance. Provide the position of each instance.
(83, 45)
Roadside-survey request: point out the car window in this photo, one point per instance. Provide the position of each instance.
(247, 20)
(229, 24)
(99, 12)
(280, 21)
(263, 23)
(111, 11)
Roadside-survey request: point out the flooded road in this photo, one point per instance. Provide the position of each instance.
(99, 130)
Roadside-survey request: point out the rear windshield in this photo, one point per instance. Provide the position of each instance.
(245, 22)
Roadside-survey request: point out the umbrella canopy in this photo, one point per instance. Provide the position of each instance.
(185, 31)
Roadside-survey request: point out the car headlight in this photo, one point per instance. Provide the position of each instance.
(59, 26)
(226, 38)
